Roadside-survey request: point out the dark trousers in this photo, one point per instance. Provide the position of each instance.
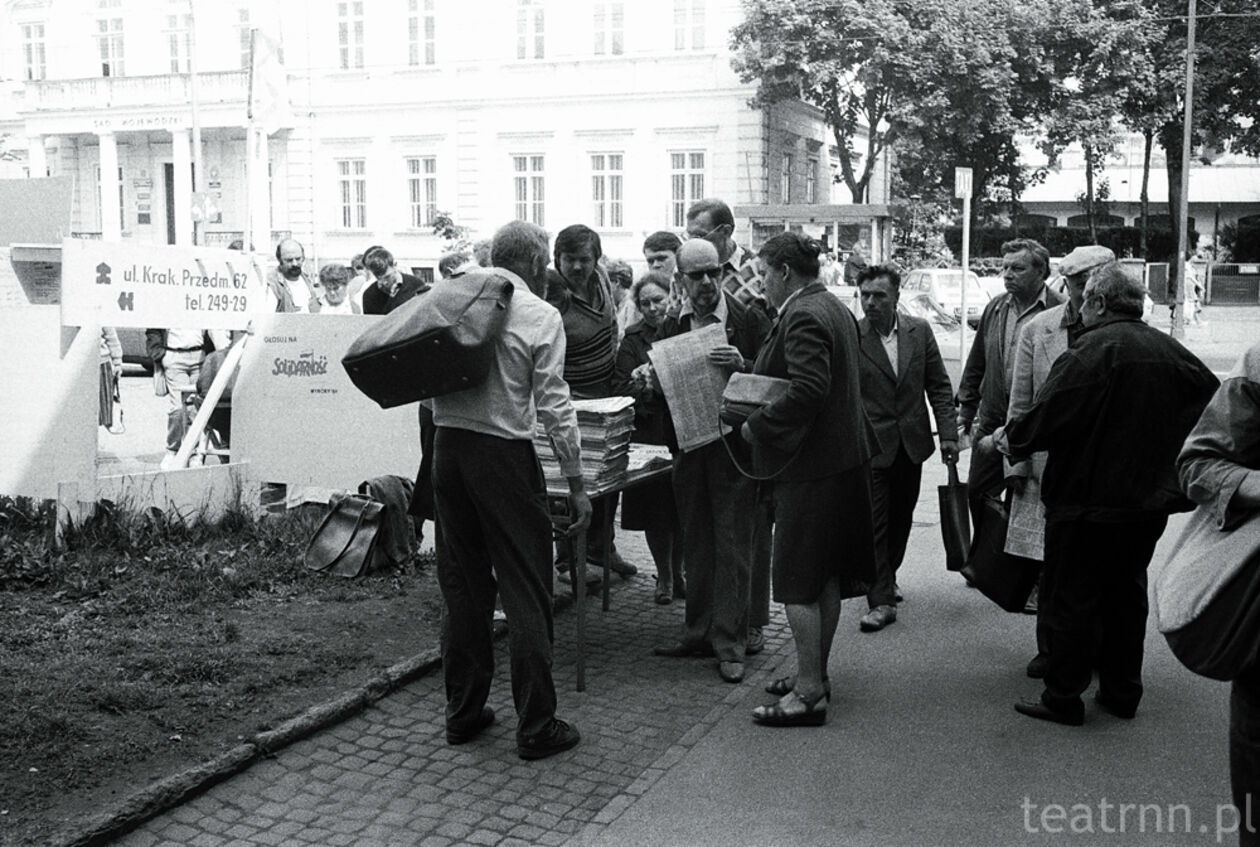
(763, 536)
(894, 494)
(716, 509)
(985, 475)
(1244, 754)
(1095, 577)
(493, 535)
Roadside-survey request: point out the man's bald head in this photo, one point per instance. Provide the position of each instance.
(700, 274)
(290, 255)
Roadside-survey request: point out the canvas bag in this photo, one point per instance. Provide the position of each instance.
(1005, 579)
(1207, 596)
(955, 519)
(437, 343)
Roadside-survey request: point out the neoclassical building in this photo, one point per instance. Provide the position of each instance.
(363, 120)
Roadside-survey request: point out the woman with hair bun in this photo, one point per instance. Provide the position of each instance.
(816, 444)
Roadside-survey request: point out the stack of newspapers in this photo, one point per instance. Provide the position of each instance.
(606, 426)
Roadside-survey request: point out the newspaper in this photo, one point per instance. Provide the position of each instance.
(692, 384)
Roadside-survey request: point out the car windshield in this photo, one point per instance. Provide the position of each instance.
(923, 306)
(952, 282)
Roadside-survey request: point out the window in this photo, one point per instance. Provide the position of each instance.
(422, 190)
(109, 41)
(811, 180)
(33, 50)
(421, 33)
(352, 189)
(785, 178)
(686, 184)
(529, 29)
(609, 29)
(688, 24)
(350, 34)
(528, 184)
(606, 190)
(243, 36)
(177, 35)
(122, 205)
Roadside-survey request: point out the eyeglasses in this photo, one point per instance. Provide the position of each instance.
(696, 276)
(687, 236)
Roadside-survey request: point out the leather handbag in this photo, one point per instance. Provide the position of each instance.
(345, 541)
(746, 393)
(955, 519)
(1207, 596)
(1004, 578)
(437, 343)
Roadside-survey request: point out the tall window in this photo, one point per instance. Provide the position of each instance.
(785, 178)
(109, 40)
(609, 29)
(122, 205)
(33, 51)
(350, 34)
(606, 190)
(352, 190)
(688, 24)
(529, 29)
(421, 33)
(686, 183)
(422, 190)
(242, 35)
(811, 180)
(177, 34)
(527, 181)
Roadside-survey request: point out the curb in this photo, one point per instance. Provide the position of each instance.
(152, 800)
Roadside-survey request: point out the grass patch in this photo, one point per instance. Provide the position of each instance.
(146, 643)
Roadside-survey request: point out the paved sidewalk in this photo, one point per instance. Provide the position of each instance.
(921, 747)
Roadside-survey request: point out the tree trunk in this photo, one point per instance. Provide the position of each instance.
(1148, 137)
(1089, 193)
(1170, 140)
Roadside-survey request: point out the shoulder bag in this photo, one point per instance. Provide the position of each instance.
(344, 543)
(743, 395)
(1004, 578)
(1207, 596)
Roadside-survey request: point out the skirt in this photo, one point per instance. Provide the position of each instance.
(823, 529)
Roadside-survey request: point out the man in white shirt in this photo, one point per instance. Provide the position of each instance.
(494, 532)
(287, 283)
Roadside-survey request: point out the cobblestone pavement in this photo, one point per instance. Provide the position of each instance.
(387, 777)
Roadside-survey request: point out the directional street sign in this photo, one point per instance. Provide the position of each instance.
(962, 183)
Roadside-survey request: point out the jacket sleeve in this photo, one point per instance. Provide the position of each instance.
(1223, 448)
(1021, 392)
(807, 351)
(628, 358)
(973, 372)
(1054, 418)
(940, 392)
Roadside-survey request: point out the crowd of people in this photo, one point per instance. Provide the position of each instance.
(1074, 410)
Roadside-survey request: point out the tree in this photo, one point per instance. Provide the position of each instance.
(856, 61)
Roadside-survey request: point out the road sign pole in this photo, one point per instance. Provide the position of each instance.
(962, 189)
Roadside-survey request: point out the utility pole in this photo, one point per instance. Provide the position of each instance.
(1183, 224)
(198, 200)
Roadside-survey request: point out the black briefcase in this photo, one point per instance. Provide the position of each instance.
(436, 343)
(1002, 577)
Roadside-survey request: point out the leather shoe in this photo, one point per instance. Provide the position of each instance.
(682, 650)
(756, 641)
(1111, 707)
(731, 671)
(1038, 666)
(1039, 710)
(556, 738)
(878, 618)
(620, 566)
(463, 736)
(1030, 605)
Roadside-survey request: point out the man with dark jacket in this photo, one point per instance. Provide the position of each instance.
(392, 287)
(715, 502)
(1113, 415)
(899, 364)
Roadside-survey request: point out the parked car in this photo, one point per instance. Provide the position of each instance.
(944, 286)
(134, 351)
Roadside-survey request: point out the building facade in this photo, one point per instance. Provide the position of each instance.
(364, 121)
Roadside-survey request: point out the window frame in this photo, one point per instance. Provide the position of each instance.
(529, 187)
(608, 179)
(351, 174)
(685, 178)
(689, 24)
(531, 25)
(350, 35)
(111, 46)
(422, 189)
(34, 51)
(608, 24)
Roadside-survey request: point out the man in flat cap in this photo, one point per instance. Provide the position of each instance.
(1041, 340)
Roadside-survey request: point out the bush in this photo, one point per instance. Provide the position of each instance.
(1061, 240)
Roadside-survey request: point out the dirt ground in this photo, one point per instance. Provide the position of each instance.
(316, 648)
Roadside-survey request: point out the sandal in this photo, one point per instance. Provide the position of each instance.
(784, 686)
(786, 713)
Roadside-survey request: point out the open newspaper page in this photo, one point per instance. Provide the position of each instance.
(692, 384)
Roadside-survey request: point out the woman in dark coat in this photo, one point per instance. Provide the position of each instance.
(650, 507)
